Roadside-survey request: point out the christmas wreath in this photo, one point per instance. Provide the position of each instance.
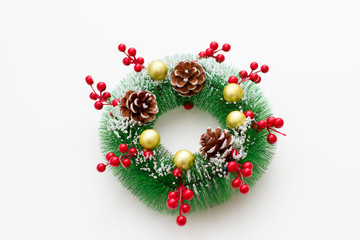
(231, 158)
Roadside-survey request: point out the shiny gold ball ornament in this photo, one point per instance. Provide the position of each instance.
(232, 92)
(157, 70)
(150, 139)
(235, 119)
(184, 160)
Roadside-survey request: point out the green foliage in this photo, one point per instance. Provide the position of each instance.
(210, 189)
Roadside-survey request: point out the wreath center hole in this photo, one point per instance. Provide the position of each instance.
(181, 129)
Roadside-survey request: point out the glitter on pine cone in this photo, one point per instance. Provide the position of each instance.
(216, 142)
(188, 78)
(140, 106)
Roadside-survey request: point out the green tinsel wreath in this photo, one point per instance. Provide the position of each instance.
(151, 180)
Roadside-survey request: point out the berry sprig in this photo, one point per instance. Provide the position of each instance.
(213, 49)
(176, 198)
(269, 124)
(115, 161)
(131, 59)
(243, 171)
(252, 76)
(102, 97)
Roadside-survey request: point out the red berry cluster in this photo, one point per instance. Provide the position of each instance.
(213, 49)
(269, 124)
(253, 75)
(176, 198)
(102, 97)
(115, 161)
(131, 59)
(242, 170)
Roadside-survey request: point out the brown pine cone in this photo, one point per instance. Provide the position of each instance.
(216, 143)
(140, 106)
(188, 78)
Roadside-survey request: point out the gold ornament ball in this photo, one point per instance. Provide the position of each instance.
(235, 119)
(157, 70)
(150, 139)
(232, 92)
(184, 160)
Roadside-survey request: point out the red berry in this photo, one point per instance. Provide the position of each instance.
(254, 77)
(220, 58)
(122, 47)
(247, 172)
(176, 173)
(202, 54)
(101, 86)
(181, 220)
(101, 167)
(249, 114)
(188, 105)
(173, 194)
(243, 74)
(98, 105)
(126, 162)
(214, 45)
(270, 121)
(106, 95)
(188, 194)
(185, 208)
(236, 183)
(115, 102)
(123, 148)
(233, 79)
(244, 189)
(109, 156)
(127, 61)
(258, 80)
(140, 60)
(271, 138)
(261, 124)
(226, 47)
(115, 161)
(132, 51)
(133, 151)
(278, 123)
(112, 115)
(209, 52)
(264, 68)
(234, 153)
(254, 65)
(93, 96)
(232, 167)
(247, 165)
(147, 154)
(89, 80)
(172, 203)
(138, 67)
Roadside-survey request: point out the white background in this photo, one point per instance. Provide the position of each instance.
(48, 132)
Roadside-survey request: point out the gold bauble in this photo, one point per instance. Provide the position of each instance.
(232, 92)
(184, 160)
(157, 70)
(235, 119)
(150, 139)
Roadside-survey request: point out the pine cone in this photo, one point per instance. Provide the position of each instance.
(188, 78)
(140, 106)
(216, 143)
